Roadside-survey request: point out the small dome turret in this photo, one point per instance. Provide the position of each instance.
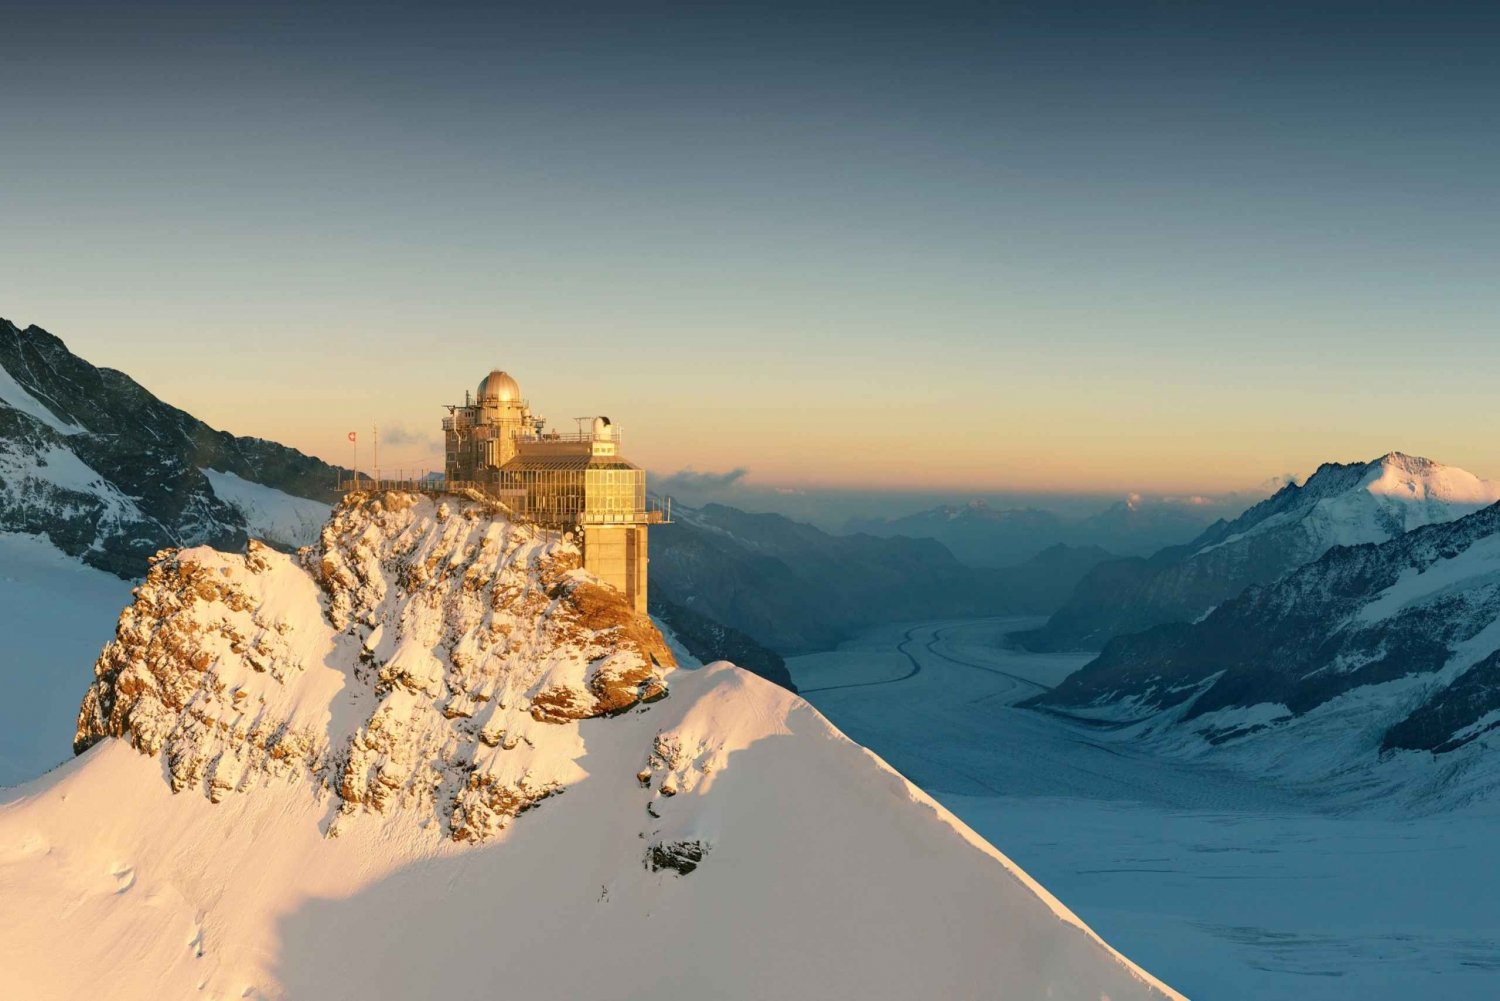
(498, 387)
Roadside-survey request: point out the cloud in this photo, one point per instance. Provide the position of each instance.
(395, 434)
(1192, 500)
(692, 480)
(1274, 484)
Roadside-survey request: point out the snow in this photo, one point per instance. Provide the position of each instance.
(13, 395)
(55, 614)
(23, 471)
(1260, 870)
(331, 868)
(270, 514)
(828, 877)
(1481, 559)
(1396, 494)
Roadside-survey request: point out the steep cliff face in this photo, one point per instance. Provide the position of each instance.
(110, 474)
(1339, 505)
(709, 641)
(301, 776)
(424, 655)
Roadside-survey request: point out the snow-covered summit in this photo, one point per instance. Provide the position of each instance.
(303, 777)
(416, 658)
(1345, 504)
(1340, 504)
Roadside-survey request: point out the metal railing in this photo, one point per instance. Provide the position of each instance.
(514, 501)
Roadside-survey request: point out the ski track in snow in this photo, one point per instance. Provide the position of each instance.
(1225, 887)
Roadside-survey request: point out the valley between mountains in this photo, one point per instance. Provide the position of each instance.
(1230, 886)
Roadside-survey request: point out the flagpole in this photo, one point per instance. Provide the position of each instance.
(375, 444)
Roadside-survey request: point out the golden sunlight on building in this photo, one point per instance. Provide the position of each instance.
(577, 482)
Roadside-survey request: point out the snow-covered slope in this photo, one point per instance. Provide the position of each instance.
(55, 614)
(303, 777)
(1339, 505)
(270, 515)
(1374, 670)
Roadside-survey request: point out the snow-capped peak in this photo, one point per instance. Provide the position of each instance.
(1409, 477)
(1348, 504)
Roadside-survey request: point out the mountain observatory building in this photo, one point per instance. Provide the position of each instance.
(577, 482)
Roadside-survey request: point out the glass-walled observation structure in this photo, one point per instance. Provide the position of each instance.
(565, 484)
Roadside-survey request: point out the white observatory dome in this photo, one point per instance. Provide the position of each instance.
(603, 429)
(497, 387)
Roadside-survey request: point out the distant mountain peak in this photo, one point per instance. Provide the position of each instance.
(1340, 504)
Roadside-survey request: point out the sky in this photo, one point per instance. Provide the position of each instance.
(967, 249)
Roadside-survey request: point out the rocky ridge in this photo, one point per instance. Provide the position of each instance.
(111, 474)
(425, 656)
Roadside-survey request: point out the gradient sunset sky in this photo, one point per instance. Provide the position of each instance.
(1092, 248)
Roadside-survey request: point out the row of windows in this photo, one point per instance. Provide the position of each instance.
(562, 496)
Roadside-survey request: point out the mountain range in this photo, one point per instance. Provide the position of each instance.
(427, 756)
(1374, 670)
(795, 588)
(982, 535)
(1338, 505)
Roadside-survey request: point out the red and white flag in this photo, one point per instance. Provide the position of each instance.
(351, 436)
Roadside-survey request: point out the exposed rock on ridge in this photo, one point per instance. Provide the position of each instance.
(111, 474)
(425, 655)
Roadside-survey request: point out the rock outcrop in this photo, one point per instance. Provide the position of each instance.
(426, 655)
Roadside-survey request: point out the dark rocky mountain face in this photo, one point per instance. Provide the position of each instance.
(1041, 584)
(976, 533)
(710, 641)
(1293, 527)
(796, 588)
(111, 474)
(1411, 626)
